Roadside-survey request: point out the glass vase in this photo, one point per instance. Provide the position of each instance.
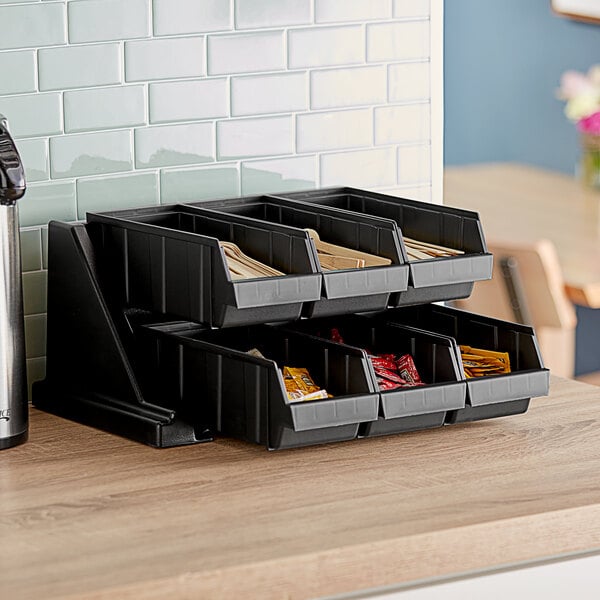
(589, 167)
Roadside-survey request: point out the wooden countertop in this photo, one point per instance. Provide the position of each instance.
(521, 204)
(85, 514)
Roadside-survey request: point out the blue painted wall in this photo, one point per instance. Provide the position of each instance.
(503, 62)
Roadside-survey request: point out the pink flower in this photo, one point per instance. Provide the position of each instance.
(573, 83)
(590, 124)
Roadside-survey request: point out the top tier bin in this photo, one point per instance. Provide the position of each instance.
(430, 280)
(344, 291)
(168, 260)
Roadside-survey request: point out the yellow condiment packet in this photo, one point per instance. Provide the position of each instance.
(300, 386)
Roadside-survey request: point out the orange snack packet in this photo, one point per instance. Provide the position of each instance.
(300, 386)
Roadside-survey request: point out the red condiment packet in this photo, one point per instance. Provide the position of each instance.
(336, 336)
(386, 384)
(407, 370)
(391, 375)
(383, 363)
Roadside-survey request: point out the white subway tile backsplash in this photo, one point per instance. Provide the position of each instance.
(79, 66)
(241, 138)
(409, 81)
(105, 108)
(45, 201)
(411, 8)
(174, 17)
(191, 184)
(209, 98)
(105, 20)
(334, 130)
(401, 124)
(259, 94)
(253, 14)
(348, 87)
(246, 52)
(174, 145)
(34, 154)
(17, 72)
(414, 164)
(397, 41)
(325, 46)
(121, 191)
(328, 11)
(32, 25)
(188, 100)
(168, 58)
(33, 115)
(91, 154)
(362, 168)
(279, 175)
(31, 249)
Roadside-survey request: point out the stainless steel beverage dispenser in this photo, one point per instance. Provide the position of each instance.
(13, 379)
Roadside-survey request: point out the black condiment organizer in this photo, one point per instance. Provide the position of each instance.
(148, 334)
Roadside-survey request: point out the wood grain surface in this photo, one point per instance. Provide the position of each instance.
(85, 514)
(520, 204)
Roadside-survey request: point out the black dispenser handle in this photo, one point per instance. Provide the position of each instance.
(12, 174)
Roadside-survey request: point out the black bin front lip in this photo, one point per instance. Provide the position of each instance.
(269, 291)
(512, 386)
(343, 410)
(465, 268)
(367, 281)
(422, 400)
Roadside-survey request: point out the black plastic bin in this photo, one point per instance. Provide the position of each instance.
(403, 409)
(243, 396)
(430, 280)
(168, 260)
(494, 395)
(344, 291)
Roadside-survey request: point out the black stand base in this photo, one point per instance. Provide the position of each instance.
(91, 374)
(148, 424)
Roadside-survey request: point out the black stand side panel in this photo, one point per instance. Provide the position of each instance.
(90, 378)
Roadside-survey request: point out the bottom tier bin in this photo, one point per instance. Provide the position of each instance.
(408, 408)
(528, 377)
(243, 396)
